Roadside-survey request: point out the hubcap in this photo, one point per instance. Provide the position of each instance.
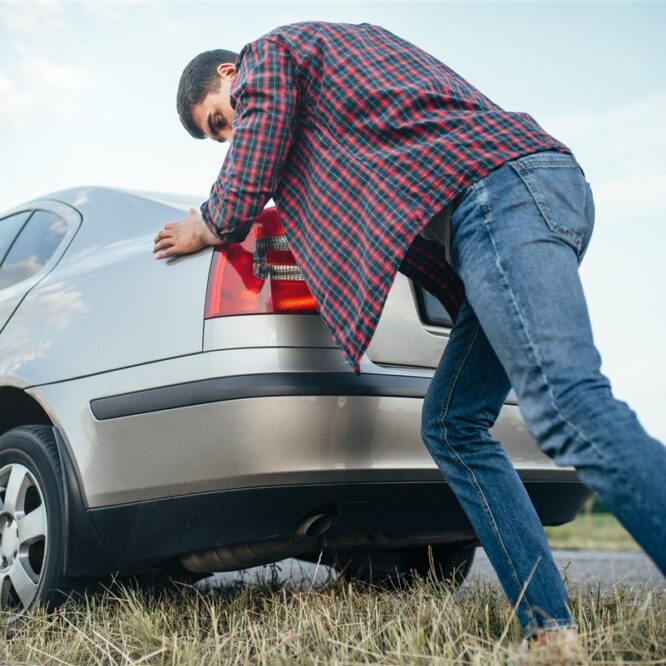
(23, 537)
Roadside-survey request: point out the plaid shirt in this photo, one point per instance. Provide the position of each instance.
(360, 137)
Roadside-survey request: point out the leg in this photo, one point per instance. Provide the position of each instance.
(463, 400)
(517, 239)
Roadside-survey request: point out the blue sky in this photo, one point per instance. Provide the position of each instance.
(87, 96)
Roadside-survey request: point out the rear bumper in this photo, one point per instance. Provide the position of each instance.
(244, 429)
(376, 514)
(238, 446)
(250, 442)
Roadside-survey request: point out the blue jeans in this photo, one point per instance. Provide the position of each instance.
(518, 236)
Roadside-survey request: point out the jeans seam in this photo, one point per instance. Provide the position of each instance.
(470, 473)
(532, 348)
(539, 163)
(534, 160)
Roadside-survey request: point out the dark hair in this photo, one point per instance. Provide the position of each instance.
(198, 79)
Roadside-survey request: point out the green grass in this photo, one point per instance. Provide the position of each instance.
(592, 531)
(341, 623)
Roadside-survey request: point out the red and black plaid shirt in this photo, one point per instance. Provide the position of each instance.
(360, 137)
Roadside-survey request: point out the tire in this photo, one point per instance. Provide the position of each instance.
(394, 569)
(32, 539)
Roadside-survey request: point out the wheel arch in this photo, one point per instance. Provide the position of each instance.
(85, 553)
(19, 408)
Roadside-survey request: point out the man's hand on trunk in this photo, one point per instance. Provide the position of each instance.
(184, 236)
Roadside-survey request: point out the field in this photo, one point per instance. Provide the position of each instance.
(340, 623)
(337, 623)
(592, 531)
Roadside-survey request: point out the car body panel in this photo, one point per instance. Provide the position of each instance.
(399, 323)
(275, 330)
(237, 443)
(108, 303)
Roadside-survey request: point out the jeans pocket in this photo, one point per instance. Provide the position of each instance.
(560, 192)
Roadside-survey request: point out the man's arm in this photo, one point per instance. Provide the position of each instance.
(264, 95)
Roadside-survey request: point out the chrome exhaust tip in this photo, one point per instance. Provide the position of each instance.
(316, 524)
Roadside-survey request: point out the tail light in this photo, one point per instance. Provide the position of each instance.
(258, 275)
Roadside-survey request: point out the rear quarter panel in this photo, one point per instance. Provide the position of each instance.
(108, 303)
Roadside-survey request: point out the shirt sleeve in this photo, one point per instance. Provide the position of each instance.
(264, 95)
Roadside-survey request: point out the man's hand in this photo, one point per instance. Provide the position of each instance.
(184, 236)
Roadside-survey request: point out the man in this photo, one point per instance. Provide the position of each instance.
(377, 155)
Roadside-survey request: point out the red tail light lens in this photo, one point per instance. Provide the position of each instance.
(257, 276)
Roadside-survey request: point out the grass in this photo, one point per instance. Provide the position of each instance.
(341, 623)
(592, 531)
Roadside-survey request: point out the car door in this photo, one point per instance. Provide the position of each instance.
(31, 243)
(412, 330)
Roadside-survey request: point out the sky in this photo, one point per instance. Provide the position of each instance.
(87, 97)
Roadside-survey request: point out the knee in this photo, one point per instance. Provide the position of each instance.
(453, 430)
(567, 423)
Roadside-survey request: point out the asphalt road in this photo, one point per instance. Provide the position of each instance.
(592, 570)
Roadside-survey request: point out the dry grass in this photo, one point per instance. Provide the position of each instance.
(341, 623)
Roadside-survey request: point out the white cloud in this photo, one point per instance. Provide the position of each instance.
(7, 86)
(623, 140)
(621, 150)
(115, 12)
(45, 72)
(38, 85)
(22, 18)
(107, 12)
(644, 191)
(600, 121)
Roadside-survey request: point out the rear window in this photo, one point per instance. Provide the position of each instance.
(33, 247)
(9, 228)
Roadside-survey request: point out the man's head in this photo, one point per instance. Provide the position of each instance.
(203, 99)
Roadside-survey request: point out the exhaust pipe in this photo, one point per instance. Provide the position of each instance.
(239, 556)
(315, 525)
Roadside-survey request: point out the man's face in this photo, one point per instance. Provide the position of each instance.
(213, 115)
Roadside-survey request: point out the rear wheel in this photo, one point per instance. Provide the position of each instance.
(31, 521)
(395, 568)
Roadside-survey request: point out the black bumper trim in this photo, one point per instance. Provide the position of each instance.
(261, 385)
(258, 386)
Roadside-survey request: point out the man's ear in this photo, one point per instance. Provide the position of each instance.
(226, 70)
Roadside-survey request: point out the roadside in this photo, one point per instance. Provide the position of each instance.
(589, 571)
(593, 529)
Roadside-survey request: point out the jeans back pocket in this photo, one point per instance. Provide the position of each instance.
(559, 189)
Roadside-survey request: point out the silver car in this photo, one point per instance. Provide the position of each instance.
(195, 415)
